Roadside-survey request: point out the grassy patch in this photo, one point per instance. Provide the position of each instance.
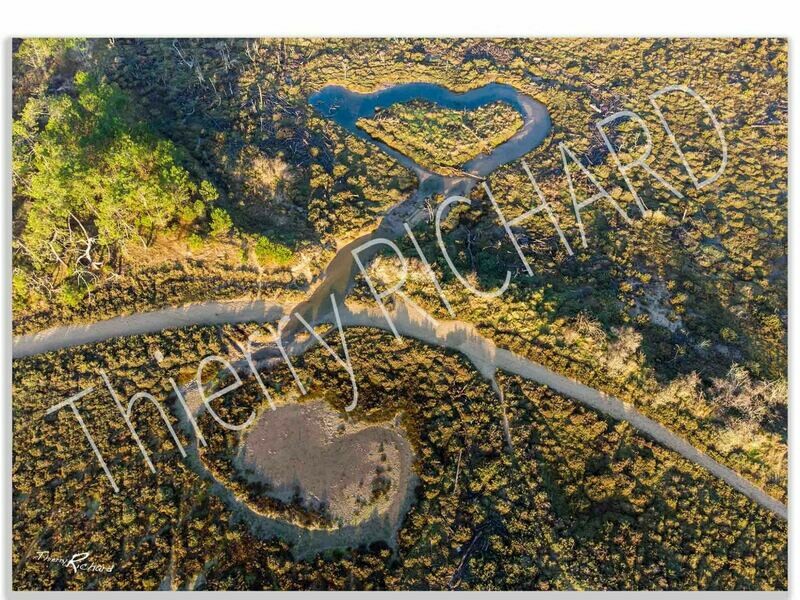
(442, 139)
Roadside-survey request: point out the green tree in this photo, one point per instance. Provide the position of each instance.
(221, 222)
(269, 252)
(98, 181)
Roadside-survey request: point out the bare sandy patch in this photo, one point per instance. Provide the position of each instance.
(349, 471)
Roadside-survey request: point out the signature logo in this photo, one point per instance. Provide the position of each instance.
(78, 562)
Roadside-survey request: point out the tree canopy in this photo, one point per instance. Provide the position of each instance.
(99, 180)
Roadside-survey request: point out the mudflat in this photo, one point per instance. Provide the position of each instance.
(348, 470)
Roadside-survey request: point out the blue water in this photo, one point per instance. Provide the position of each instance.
(345, 107)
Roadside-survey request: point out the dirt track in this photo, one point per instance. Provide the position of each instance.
(454, 335)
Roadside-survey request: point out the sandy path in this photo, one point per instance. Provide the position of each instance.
(338, 277)
(464, 338)
(454, 335)
(200, 313)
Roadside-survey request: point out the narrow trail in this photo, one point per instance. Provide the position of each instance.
(345, 107)
(482, 352)
(200, 313)
(410, 322)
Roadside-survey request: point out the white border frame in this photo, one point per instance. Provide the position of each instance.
(359, 18)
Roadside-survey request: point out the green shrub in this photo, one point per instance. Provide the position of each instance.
(221, 223)
(195, 242)
(71, 294)
(272, 253)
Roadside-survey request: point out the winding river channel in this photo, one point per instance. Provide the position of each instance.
(345, 107)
